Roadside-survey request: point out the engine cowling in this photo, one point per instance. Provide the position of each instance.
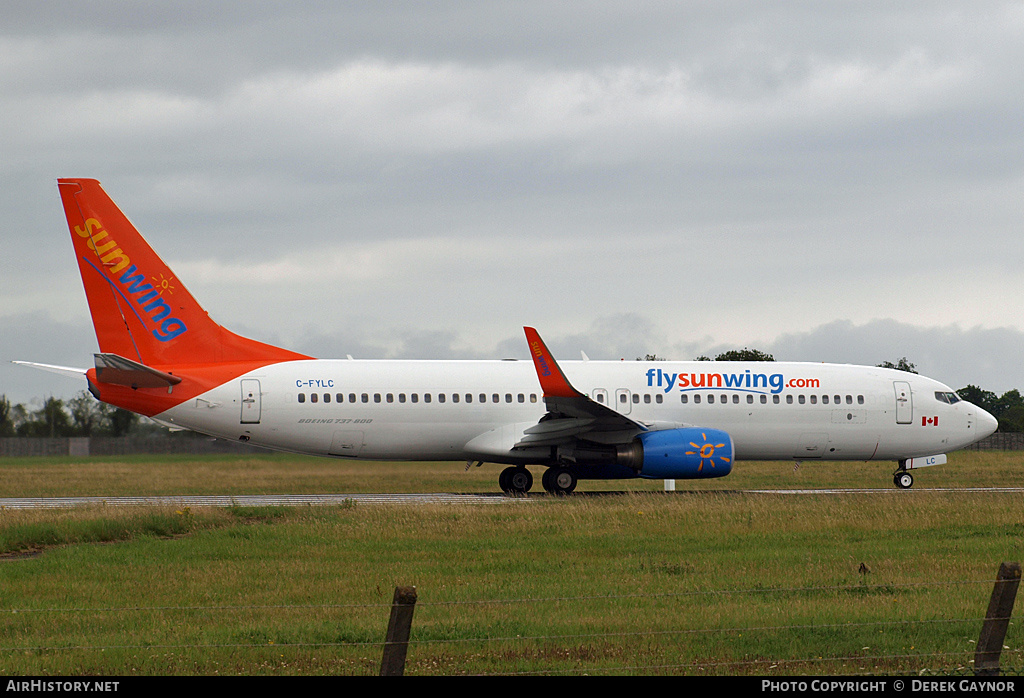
(682, 454)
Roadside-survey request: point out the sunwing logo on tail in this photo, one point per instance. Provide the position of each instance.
(132, 284)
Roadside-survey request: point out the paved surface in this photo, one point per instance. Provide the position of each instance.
(294, 500)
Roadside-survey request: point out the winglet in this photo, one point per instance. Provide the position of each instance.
(552, 381)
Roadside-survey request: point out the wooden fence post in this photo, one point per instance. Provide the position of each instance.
(993, 631)
(396, 644)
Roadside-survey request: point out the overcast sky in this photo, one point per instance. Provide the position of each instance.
(825, 181)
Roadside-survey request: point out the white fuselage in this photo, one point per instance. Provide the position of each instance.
(445, 410)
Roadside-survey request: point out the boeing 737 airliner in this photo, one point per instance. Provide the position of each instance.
(162, 356)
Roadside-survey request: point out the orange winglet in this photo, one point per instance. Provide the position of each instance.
(552, 381)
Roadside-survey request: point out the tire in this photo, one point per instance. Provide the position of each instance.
(903, 480)
(515, 480)
(559, 481)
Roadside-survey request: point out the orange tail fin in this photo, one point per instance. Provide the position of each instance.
(140, 310)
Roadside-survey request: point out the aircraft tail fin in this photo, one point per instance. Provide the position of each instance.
(140, 310)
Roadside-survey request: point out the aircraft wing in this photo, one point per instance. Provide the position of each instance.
(571, 414)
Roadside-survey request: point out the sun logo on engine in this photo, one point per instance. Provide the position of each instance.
(706, 451)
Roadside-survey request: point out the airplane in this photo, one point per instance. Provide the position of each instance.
(162, 356)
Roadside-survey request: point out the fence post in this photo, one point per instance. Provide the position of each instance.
(396, 644)
(993, 631)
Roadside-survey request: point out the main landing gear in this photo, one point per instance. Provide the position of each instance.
(517, 480)
(901, 478)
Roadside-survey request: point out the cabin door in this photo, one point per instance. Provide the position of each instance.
(904, 403)
(250, 401)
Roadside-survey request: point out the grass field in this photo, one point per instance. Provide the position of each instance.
(624, 579)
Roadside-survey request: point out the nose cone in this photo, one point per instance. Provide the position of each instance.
(987, 424)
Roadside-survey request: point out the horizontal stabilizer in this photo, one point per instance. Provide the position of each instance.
(111, 368)
(62, 370)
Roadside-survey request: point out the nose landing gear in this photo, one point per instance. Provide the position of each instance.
(901, 478)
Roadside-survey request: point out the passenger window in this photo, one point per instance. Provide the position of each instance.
(440, 397)
(775, 399)
(860, 399)
(764, 399)
(455, 397)
(801, 399)
(683, 399)
(302, 397)
(469, 397)
(711, 399)
(495, 398)
(521, 398)
(415, 397)
(313, 397)
(401, 397)
(426, 397)
(647, 399)
(658, 398)
(508, 397)
(789, 399)
(600, 398)
(849, 399)
(376, 397)
(750, 399)
(696, 399)
(636, 399)
(814, 400)
(533, 397)
(824, 399)
(366, 398)
(483, 397)
(736, 399)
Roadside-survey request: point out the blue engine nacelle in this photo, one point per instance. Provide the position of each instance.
(683, 454)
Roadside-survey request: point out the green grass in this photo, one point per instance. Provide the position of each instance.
(702, 581)
(279, 473)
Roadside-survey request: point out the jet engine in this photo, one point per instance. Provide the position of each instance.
(683, 454)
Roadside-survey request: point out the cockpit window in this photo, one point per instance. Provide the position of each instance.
(948, 398)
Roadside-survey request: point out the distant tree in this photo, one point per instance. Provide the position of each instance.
(1012, 419)
(117, 422)
(901, 365)
(1008, 401)
(744, 354)
(6, 425)
(86, 416)
(651, 357)
(985, 399)
(50, 420)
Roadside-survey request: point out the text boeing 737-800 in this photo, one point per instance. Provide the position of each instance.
(163, 357)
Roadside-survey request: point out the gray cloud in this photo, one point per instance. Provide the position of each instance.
(400, 179)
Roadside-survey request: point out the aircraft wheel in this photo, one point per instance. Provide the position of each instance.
(515, 480)
(559, 481)
(903, 480)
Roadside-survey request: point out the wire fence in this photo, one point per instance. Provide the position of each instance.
(455, 636)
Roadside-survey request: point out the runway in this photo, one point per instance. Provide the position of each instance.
(296, 500)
